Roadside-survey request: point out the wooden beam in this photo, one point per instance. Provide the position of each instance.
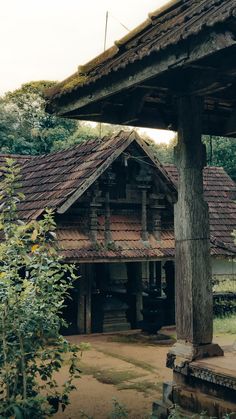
(194, 302)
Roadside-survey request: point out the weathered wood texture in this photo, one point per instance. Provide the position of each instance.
(134, 287)
(194, 318)
(84, 302)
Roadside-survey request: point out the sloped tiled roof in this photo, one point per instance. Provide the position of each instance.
(53, 179)
(165, 27)
(50, 180)
(220, 194)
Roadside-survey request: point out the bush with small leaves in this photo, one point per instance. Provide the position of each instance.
(33, 286)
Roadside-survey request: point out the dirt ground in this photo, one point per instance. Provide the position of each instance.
(120, 367)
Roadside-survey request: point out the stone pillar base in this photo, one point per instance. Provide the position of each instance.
(182, 353)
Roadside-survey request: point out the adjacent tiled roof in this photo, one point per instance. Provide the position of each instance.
(166, 27)
(126, 233)
(220, 194)
(50, 180)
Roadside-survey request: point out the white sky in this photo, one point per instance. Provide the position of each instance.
(48, 39)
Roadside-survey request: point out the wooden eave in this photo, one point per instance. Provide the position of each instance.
(143, 92)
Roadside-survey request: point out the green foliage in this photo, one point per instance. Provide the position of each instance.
(222, 152)
(177, 414)
(224, 304)
(109, 375)
(33, 286)
(119, 411)
(163, 152)
(32, 130)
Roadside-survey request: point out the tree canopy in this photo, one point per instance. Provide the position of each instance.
(33, 131)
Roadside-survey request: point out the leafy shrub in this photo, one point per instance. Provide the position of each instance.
(33, 286)
(224, 304)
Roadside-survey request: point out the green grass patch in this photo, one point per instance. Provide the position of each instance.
(125, 339)
(225, 325)
(109, 375)
(140, 364)
(225, 285)
(142, 386)
(140, 339)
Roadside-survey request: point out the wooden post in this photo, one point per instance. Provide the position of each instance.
(108, 237)
(194, 312)
(81, 301)
(144, 215)
(159, 277)
(151, 274)
(84, 303)
(135, 287)
(89, 281)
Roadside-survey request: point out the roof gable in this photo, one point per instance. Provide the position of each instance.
(58, 179)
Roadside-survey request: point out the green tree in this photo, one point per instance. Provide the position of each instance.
(33, 131)
(6, 128)
(33, 287)
(164, 152)
(222, 152)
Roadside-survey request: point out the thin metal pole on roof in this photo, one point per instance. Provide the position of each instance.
(106, 27)
(104, 49)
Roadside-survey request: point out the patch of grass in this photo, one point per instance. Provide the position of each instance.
(225, 285)
(225, 325)
(109, 375)
(139, 339)
(125, 339)
(133, 361)
(142, 386)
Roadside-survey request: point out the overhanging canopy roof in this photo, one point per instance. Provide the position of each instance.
(189, 47)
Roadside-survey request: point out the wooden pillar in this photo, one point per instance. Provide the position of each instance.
(108, 237)
(134, 288)
(158, 277)
(144, 215)
(84, 303)
(151, 274)
(93, 220)
(81, 301)
(194, 312)
(169, 268)
(94, 206)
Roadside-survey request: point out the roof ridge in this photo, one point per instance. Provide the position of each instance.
(80, 144)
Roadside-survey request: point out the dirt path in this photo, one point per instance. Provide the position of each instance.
(132, 373)
(119, 367)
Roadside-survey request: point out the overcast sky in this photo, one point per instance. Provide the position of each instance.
(48, 39)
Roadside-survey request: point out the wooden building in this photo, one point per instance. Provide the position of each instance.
(177, 70)
(114, 209)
